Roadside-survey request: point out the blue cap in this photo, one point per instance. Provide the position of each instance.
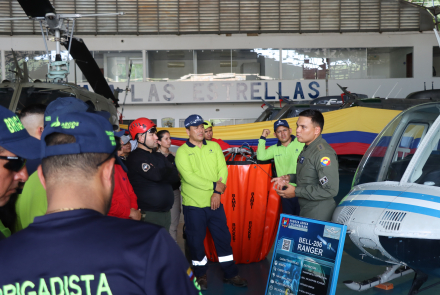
(119, 133)
(15, 138)
(63, 105)
(194, 120)
(93, 134)
(280, 123)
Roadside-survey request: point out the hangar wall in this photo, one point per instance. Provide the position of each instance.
(232, 101)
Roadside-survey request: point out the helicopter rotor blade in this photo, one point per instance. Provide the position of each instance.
(36, 8)
(90, 68)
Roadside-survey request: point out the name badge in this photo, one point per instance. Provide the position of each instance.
(301, 160)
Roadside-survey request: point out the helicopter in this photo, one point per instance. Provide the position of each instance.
(23, 91)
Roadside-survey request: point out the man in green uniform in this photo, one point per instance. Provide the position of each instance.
(203, 174)
(285, 154)
(317, 175)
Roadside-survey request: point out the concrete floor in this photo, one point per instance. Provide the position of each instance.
(351, 269)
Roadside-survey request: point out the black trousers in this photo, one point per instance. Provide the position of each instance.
(196, 221)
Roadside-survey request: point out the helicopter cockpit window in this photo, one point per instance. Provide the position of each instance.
(408, 145)
(6, 96)
(427, 169)
(371, 163)
(32, 95)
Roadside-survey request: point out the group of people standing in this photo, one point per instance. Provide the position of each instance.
(82, 170)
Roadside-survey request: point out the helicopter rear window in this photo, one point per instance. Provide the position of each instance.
(6, 96)
(32, 95)
(408, 145)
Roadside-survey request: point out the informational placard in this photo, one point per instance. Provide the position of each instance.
(306, 258)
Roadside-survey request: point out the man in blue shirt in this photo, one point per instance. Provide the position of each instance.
(75, 248)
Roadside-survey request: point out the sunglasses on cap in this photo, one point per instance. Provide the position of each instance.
(14, 163)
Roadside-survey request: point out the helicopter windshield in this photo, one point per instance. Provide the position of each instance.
(389, 155)
(32, 95)
(6, 96)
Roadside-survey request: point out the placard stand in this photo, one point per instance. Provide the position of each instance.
(306, 257)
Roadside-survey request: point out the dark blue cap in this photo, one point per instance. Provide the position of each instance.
(63, 105)
(194, 120)
(119, 133)
(93, 134)
(280, 123)
(15, 138)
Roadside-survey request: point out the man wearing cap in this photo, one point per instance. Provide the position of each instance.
(209, 133)
(317, 175)
(126, 147)
(151, 175)
(75, 248)
(16, 145)
(203, 172)
(33, 201)
(285, 154)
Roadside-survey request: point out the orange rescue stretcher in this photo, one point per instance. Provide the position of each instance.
(252, 209)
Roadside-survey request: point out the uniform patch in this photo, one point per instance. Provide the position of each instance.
(145, 167)
(301, 160)
(320, 147)
(325, 161)
(323, 180)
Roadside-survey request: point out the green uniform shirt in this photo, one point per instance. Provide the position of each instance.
(31, 203)
(317, 179)
(199, 169)
(285, 157)
(6, 232)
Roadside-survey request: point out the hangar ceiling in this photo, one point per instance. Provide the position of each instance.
(228, 16)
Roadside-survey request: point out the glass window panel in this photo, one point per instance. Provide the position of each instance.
(427, 170)
(170, 65)
(36, 95)
(115, 65)
(390, 62)
(37, 62)
(309, 63)
(412, 136)
(238, 64)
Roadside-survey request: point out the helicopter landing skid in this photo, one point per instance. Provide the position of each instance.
(391, 273)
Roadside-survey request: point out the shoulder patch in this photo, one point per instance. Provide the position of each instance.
(145, 167)
(323, 180)
(325, 161)
(320, 147)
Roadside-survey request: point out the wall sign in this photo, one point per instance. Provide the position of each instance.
(306, 258)
(219, 91)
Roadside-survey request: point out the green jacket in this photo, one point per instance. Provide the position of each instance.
(200, 169)
(31, 203)
(285, 157)
(317, 179)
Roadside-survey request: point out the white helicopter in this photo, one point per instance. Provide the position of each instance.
(392, 212)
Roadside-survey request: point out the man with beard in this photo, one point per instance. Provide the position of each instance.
(151, 175)
(75, 248)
